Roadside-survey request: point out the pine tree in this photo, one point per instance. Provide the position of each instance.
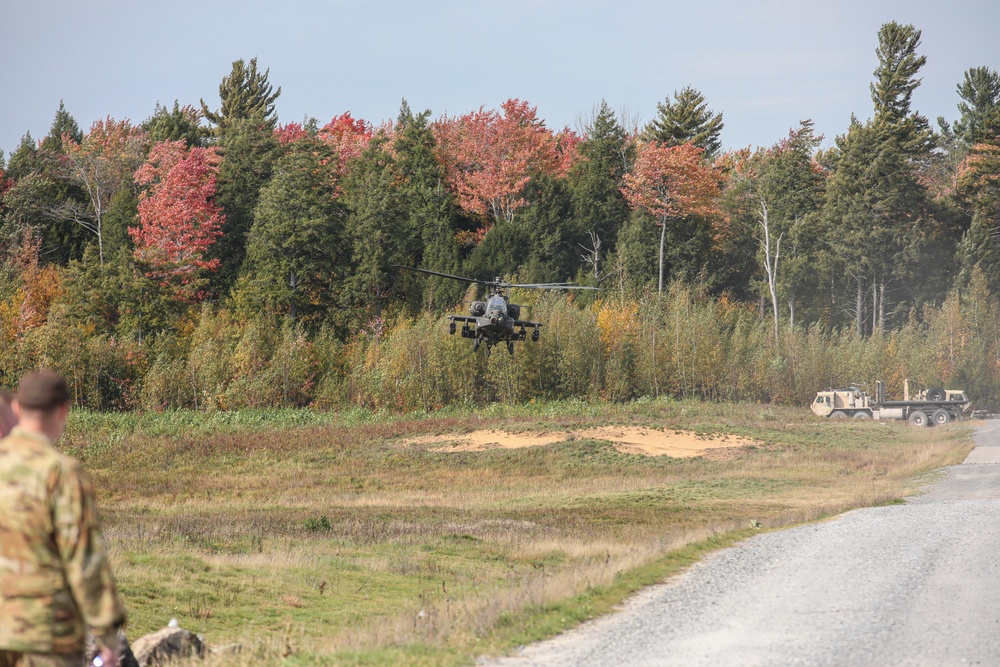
(63, 124)
(245, 93)
(896, 74)
(892, 89)
(180, 123)
(555, 240)
(430, 208)
(249, 150)
(378, 226)
(880, 220)
(980, 106)
(599, 207)
(687, 119)
(295, 251)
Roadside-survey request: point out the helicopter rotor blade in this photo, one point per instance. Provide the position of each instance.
(442, 275)
(552, 286)
(495, 283)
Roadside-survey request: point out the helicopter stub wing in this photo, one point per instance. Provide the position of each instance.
(526, 323)
(463, 318)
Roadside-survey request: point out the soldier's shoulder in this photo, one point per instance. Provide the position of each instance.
(33, 452)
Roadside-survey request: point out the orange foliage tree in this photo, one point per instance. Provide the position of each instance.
(101, 165)
(670, 182)
(40, 286)
(490, 156)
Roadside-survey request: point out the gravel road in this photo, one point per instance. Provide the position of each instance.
(912, 584)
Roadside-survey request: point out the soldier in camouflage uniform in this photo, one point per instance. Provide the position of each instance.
(55, 579)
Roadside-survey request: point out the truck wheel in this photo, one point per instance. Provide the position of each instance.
(838, 414)
(918, 418)
(935, 394)
(941, 417)
(862, 416)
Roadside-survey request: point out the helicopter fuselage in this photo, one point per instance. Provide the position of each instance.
(496, 320)
(491, 322)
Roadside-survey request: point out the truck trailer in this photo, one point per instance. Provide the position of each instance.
(925, 408)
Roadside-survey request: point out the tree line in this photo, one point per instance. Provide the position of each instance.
(121, 247)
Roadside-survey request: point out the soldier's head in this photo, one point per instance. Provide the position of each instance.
(42, 403)
(7, 418)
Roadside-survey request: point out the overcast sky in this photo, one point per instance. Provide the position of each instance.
(765, 64)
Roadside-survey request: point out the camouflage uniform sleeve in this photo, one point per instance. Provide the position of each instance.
(81, 548)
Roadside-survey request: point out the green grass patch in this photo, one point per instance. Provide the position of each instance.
(329, 538)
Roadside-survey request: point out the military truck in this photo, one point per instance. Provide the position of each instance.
(924, 408)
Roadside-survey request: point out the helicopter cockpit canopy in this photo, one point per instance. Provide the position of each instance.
(496, 307)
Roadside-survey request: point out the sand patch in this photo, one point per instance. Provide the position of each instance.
(626, 439)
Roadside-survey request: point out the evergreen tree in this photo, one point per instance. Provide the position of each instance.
(248, 151)
(40, 192)
(774, 195)
(687, 119)
(25, 159)
(636, 257)
(884, 230)
(62, 124)
(502, 252)
(378, 226)
(599, 208)
(892, 89)
(431, 208)
(295, 251)
(980, 106)
(555, 241)
(174, 125)
(895, 76)
(245, 93)
(979, 192)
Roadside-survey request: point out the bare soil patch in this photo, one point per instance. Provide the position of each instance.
(626, 439)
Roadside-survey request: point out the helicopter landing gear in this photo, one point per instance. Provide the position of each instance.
(475, 346)
(489, 348)
(510, 347)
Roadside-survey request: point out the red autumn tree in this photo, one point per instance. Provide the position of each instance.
(348, 136)
(671, 182)
(490, 156)
(286, 134)
(178, 217)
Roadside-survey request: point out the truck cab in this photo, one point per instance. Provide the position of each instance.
(849, 399)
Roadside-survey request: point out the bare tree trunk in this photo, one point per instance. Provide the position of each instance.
(593, 256)
(860, 305)
(663, 242)
(874, 305)
(791, 310)
(771, 263)
(881, 306)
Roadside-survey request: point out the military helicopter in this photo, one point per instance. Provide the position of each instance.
(496, 320)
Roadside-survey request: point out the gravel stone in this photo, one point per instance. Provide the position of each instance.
(912, 584)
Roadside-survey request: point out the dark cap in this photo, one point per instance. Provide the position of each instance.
(42, 390)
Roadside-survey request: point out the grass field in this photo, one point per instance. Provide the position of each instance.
(324, 538)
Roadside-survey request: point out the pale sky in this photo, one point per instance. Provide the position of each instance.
(765, 64)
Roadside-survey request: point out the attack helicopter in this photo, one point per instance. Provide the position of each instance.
(496, 320)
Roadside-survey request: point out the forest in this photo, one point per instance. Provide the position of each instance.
(211, 257)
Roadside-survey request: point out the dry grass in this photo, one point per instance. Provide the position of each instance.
(343, 543)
